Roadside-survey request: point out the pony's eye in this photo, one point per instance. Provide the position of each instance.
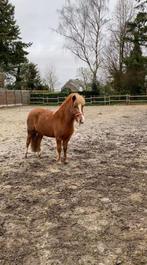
(75, 106)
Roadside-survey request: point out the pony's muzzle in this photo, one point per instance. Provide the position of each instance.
(82, 119)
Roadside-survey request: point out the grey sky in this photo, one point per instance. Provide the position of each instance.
(35, 18)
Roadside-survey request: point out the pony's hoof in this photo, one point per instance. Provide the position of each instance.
(58, 162)
(39, 155)
(65, 162)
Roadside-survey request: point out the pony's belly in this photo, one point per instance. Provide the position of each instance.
(46, 132)
(49, 135)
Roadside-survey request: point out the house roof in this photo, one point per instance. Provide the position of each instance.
(74, 85)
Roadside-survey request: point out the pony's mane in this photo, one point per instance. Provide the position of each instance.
(79, 100)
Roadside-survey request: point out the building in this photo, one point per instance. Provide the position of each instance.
(73, 85)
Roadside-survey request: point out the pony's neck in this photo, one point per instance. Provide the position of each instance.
(64, 113)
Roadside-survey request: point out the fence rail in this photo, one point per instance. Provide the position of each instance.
(45, 99)
(25, 97)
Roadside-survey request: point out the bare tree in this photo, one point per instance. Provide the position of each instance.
(82, 24)
(85, 75)
(118, 47)
(50, 79)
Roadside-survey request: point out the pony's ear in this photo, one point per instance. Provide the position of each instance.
(73, 98)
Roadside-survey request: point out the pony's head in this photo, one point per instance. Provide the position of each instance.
(78, 103)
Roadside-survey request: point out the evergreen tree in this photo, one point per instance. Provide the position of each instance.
(95, 87)
(33, 81)
(138, 28)
(136, 63)
(136, 70)
(29, 76)
(12, 49)
(142, 6)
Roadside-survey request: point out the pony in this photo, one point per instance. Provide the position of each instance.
(58, 124)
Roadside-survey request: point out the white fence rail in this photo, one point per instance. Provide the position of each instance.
(45, 99)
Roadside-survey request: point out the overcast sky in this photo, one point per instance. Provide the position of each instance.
(35, 18)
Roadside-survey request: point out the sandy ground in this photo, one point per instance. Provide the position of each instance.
(91, 211)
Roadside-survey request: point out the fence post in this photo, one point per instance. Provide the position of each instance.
(14, 97)
(109, 100)
(91, 100)
(43, 98)
(127, 99)
(21, 97)
(6, 100)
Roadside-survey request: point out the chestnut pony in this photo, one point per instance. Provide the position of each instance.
(58, 124)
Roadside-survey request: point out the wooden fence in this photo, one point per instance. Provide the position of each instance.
(14, 97)
(45, 99)
(25, 97)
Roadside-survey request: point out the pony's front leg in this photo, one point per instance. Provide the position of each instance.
(65, 143)
(58, 141)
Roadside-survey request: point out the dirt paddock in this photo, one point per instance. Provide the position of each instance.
(91, 211)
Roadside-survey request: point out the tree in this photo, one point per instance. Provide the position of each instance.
(136, 63)
(50, 80)
(141, 4)
(118, 46)
(82, 24)
(138, 27)
(86, 77)
(12, 49)
(27, 77)
(136, 70)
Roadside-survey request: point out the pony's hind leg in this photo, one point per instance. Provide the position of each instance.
(39, 145)
(36, 139)
(28, 143)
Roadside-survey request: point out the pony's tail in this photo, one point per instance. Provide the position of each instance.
(35, 142)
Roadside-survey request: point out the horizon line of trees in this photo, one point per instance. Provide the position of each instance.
(85, 25)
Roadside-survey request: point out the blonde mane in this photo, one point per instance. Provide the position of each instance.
(79, 100)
